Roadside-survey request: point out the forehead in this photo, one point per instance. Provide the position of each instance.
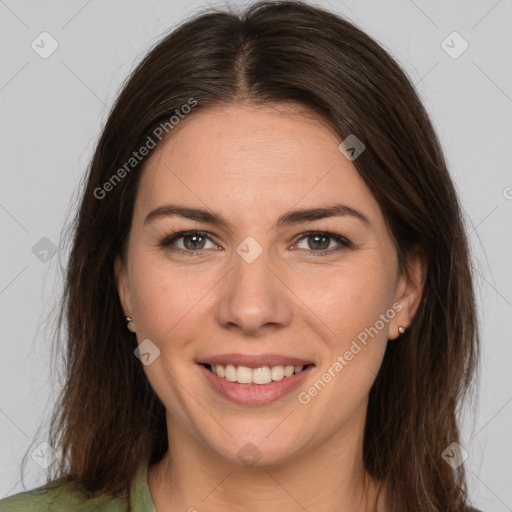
(240, 157)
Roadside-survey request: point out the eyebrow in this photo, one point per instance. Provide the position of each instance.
(287, 219)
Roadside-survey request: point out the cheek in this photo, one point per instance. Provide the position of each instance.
(167, 302)
(350, 300)
(351, 306)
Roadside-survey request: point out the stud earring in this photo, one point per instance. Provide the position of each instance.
(401, 329)
(130, 324)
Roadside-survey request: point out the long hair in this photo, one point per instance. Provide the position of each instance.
(108, 420)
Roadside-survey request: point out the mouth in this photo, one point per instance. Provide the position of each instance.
(260, 375)
(254, 380)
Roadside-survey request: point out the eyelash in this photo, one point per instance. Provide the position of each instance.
(168, 240)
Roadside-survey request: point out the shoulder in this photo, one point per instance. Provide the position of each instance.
(60, 497)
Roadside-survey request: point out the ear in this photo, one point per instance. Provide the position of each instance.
(123, 288)
(409, 289)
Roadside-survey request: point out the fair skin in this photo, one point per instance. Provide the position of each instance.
(251, 165)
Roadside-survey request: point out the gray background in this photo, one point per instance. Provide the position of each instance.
(51, 113)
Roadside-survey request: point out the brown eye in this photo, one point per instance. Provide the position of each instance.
(194, 241)
(184, 241)
(322, 243)
(318, 242)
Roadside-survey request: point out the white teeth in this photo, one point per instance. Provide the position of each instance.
(230, 373)
(277, 372)
(261, 375)
(288, 370)
(244, 375)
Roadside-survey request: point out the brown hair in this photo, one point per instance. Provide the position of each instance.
(108, 419)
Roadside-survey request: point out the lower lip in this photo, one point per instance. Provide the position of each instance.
(255, 394)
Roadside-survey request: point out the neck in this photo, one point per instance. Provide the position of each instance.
(325, 477)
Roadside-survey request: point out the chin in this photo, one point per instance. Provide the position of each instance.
(256, 448)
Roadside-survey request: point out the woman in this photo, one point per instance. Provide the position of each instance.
(268, 304)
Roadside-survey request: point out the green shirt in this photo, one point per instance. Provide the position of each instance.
(57, 497)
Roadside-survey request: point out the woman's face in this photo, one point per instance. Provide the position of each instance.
(293, 265)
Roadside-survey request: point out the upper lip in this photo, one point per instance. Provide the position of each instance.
(255, 361)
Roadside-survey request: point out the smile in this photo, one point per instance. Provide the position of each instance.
(257, 385)
(261, 375)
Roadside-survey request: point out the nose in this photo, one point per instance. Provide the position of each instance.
(253, 298)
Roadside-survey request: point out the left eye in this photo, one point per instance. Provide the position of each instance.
(322, 242)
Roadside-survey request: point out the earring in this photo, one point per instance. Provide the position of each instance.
(401, 329)
(130, 324)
